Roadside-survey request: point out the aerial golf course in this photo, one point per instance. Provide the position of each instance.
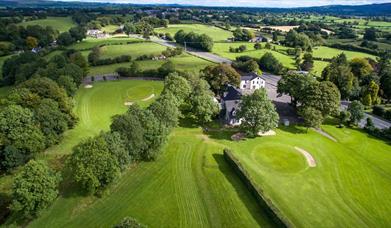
(192, 182)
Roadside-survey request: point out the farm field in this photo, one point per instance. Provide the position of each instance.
(110, 28)
(318, 67)
(89, 43)
(327, 52)
(135, 50)
(217, 34)
(222, 49)
(184, 62)
(62, 24)
(349, 187)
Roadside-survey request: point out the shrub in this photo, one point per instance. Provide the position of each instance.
(129, 222)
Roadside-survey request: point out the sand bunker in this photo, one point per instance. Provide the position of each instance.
(268, 133)
(128, 103)
(310, 160)
(88, 86)
(149, 98)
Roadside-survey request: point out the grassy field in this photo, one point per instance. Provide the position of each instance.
(89, 43)
(110, 28)
(318, 67)
(184, 62)
(62, 24)
(349, 187)
(222, 49)
(326, 52)
(97, 105)
(217, 34)
(190, 185)
(135, 50)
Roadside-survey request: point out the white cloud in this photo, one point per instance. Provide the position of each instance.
(250, 3)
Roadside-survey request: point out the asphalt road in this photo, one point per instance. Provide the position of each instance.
(378, 122)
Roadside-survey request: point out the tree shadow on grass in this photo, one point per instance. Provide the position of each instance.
(243, 193)
(294, 129)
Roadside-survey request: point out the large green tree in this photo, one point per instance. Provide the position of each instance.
(34, 189)
(178, 86)
(295, 85)
(312, 117)
(92, 165)
(18, 128)
(340, 73)
(356, 109)
(258, 113)
(220, 75)
(270, 64)
(323, 96)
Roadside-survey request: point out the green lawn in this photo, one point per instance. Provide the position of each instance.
(318, 67)
(89, 43)
(327, 52)
(62, 24)
(110, 28)
(184, 62)
(135, 49)
(222, 49)
(217, 34)
(349, 187)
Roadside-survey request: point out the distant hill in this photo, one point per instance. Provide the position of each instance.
(383, 9)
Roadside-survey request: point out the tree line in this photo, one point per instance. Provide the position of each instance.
(36, 113)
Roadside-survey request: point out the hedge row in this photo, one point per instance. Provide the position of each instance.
(266, 204)
(350, 47)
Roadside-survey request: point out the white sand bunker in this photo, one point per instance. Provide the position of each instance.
(88, 86)
(268, 133)
(128, 103)
(310, 160)
(149, 98)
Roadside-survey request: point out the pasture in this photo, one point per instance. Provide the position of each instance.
(110, 28)
(327, 52)
(135, 50)
(217, 34)
(184, 62)
(89, 42)
(349, 187)
(62, 24)
(222, 49)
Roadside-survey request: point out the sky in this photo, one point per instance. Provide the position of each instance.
(246, 3)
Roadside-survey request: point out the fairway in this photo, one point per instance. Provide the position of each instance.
(97, 105)
(349, 187)
(327, 52)
(62, 24)
(222, 49)
(217, 34)
(184, 62)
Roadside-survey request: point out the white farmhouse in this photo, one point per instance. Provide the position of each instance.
(251, 81)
